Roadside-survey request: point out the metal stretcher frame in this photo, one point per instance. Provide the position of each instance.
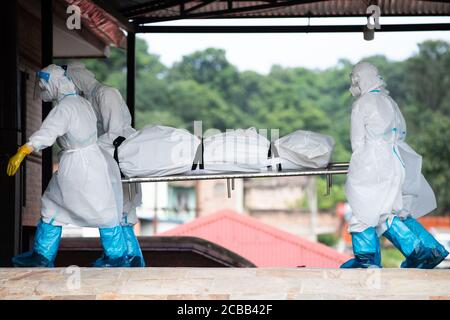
(329, 171)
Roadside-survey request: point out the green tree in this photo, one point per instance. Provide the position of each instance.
(205, 86)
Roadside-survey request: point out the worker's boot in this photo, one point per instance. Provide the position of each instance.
(114, 248)
(417, 255)
(438, 252)
(134, 253)
(366, 248)
(45, 247)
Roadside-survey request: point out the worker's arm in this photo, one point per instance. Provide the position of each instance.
(357, 127)
(55, 125)
(16, 160)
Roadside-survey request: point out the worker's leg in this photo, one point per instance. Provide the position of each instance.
(132, 199)
(134, 252)
(438, 252)
(417, 255)
(114, 248)
(366, 246)
(45, 247)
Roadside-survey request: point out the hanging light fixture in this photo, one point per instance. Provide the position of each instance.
(369, 34)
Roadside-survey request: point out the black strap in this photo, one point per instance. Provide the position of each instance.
(199, 158)
(275, 154)
(116, 143)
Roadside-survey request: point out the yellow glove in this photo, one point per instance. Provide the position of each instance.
(16, 160)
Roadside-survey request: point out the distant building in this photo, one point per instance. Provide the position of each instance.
(279, 202)
(270, 195)
(262, 244)
(166, 205)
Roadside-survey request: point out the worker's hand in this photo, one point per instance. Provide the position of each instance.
(16, 160)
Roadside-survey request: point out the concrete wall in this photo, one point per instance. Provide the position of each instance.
(224, 283)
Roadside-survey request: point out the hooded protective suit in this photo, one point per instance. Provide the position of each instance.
(384, 176)
(385, 187)
(85, 191)
(113, 120)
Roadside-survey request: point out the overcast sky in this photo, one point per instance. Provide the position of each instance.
(259, 52)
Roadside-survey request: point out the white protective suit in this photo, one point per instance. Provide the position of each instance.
(113, 120)
(384, 177)
(85, 191)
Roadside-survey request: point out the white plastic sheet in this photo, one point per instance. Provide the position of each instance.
(157, 151)
(240, 150)
(304, 149)
(162, 151)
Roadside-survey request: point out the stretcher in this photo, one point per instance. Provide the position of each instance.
(329, 171)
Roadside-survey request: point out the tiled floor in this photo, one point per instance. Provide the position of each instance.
(223, 283)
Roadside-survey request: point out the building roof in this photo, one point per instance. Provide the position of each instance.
(102, 24)
(160, 10)
(262, 244)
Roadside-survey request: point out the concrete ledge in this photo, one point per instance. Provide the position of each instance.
(223, 283)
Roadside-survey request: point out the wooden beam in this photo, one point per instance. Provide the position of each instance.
(46, 59)
(291, 29)
(10, 227)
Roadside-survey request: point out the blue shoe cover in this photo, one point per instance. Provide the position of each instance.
(438, 252)
(366, 248)
(417, 255)
(106, 262)
(31, 259)
(45, 247)
(134, 253)
(114, 248)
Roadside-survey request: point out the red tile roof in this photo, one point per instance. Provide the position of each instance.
(262, 244)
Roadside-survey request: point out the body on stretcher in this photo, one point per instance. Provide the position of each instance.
(160, 153)
(164, 151)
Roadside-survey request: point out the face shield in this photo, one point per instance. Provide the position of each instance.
(40, 86)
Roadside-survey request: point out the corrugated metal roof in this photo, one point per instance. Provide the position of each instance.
(256, 9)
(262, 244)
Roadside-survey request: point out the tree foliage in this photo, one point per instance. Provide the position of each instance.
(205, 86)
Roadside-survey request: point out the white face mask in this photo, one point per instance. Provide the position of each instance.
(354, 89)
